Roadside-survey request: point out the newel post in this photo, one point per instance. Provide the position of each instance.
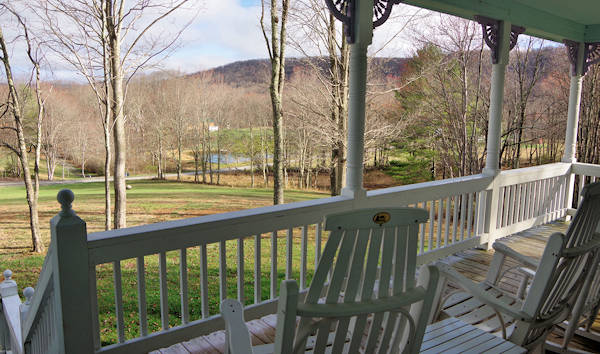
(70, 276)
(10, 330)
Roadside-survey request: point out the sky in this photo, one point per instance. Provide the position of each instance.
(224, 31)
(228, 30)
(219, 32)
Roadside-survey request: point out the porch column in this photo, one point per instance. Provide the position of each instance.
(500, 51)
(577, 57)
(363, 34)
(501, 37)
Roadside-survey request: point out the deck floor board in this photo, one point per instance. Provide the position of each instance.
(473, 263)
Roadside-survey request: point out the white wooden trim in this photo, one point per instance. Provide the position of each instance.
(535, 173)
(587, 169)
(419, 192)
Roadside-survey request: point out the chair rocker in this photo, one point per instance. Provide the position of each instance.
(561, 276)
(364, 247)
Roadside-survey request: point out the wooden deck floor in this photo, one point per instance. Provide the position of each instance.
(472, 263)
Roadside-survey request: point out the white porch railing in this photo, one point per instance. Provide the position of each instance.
(464, 212)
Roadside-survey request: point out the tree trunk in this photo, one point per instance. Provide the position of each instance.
(209, 157)
(21, 150)
(277, 56)
(251, 158)
(120, 214)
(107, 161)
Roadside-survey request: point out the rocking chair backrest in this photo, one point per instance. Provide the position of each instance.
(562, 270)
(586, 219)
(370, 258)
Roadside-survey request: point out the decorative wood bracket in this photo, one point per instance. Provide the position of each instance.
(490, 29)
(591, 55)
(344, 11)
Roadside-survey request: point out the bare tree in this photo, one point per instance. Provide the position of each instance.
(12, 118)
(317, 30)
(276, 50)
(110, 42)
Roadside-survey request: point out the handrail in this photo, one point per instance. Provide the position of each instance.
(108, 246)
(43, 288)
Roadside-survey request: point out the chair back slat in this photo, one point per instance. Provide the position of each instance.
(368, 284)
(370, 254)
(353, 284)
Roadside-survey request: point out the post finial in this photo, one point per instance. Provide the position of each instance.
(8, 274)
(28, 293)
(65, 197)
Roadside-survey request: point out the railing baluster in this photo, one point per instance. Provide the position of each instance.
(164, 295)
(439, 223)
(447, 221)
(94, 303)
(546, 197)
(524, 193)
(563, 195)
(528, 214)
(240, 269)
(118, 284)
(273, 264)
(463, 212)
(479, 213)
(318, 233)
(470, 196)
(204, 281)
(183, 286)
(581, 184)
(557, 197)
(422, 231)
(534, 200)
(303, 256)
(257, 273)
(455, 219)
(289, 248)
(506, 207)
(499, 206)
(431, 221)
(222, 270)
(516, 198)
(141, 287)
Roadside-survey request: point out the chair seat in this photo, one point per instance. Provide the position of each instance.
(455, 336)
(466, 308)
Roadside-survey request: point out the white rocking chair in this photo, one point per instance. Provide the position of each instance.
(364, 247)
(564, 272)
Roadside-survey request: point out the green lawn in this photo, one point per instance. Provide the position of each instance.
(151, 201)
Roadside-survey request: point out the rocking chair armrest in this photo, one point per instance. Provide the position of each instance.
(507, 251)
(237, 336)
(479, 293)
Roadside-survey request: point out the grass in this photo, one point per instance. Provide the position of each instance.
(148, 202)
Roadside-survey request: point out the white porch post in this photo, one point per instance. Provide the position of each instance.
(492, 162)
(500, 51)
(574, 102)
(577, 55)
(363, 29)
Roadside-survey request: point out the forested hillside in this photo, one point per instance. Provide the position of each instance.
(257, 71)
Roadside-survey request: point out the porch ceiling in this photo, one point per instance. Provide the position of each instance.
(556, 20)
